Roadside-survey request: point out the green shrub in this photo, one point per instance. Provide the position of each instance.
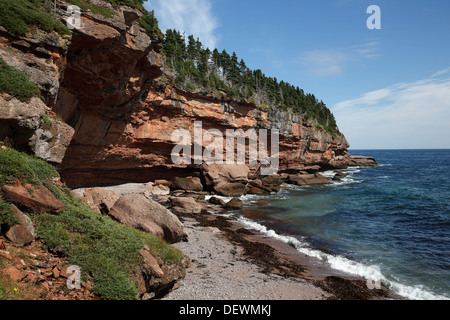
(15, 83)
(16, 16)
(138, 4)
(16, 165)
(7, 215)
(150, 24)
(87, 5)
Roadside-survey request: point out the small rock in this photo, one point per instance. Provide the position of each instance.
(234, 203)
(151, 265)
(20, 234)
(211, 229)
(340, 174)
(216, 201)
(56, 273)
(6, 255)
(257, 191)
(14, 273)
(261, 203)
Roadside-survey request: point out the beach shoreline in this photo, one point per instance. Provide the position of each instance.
(231, 262)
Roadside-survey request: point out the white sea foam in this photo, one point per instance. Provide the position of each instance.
(371, 273)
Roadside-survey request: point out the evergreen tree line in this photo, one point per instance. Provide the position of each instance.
(197, 67)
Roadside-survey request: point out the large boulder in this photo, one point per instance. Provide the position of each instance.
(258, 190)
(361, 161)
(34, 199)
(273, 180)
(51, 140)
(187, 184)
(231, 189)
(186, 205)
(219, 174)
(100, 199)
(139, 212)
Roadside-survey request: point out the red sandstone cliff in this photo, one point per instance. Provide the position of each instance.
(110, 86)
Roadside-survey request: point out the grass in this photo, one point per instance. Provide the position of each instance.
(7, 216)
(87, 5)
(16, 165)
(106, 251)
(137, 4)
(16, 83)
(17, 16)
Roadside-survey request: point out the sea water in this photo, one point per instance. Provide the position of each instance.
(389, 224)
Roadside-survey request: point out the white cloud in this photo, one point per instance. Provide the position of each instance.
(331, 62)
(191, 16)
(404, 115)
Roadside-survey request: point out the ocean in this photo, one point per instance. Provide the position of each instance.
(389, 224)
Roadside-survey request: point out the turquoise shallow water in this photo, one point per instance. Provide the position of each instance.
(392, 222)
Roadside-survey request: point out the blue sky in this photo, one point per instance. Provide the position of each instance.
(388, 88)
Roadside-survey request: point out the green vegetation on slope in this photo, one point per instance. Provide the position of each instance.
(148, 20)
(198, 67)
(16, 165)
(106, 251)
(15, 83)
(7, 216)
(17, 16)
(87, 5)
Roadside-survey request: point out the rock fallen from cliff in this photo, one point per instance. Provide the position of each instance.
(33, 199)
(216, 174)
(361, 161)
(51, 141)
(340, 174)
(24, 232)
(309, 179)
(100, 200)
(216, 201)
(186, 205)
(187, 184)
(20, 235)
(273, 180)
(234, 204)
(139, 212)
(257, 191)
(150, 265)
(159, 190)
(231, 189)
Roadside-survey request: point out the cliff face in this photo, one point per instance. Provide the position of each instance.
(41, 57)
(110, 86)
